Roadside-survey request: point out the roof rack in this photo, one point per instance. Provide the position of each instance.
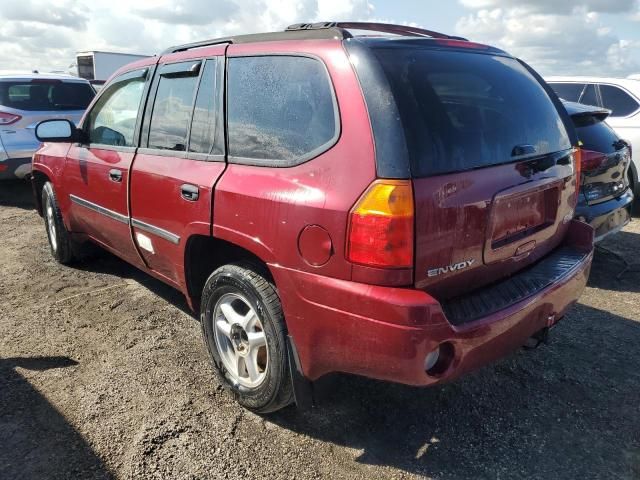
(315, 31)
(373, 26)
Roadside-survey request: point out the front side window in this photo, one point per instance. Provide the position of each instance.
(618, 101)
(172, 111)
(112, 120)
(281, 109)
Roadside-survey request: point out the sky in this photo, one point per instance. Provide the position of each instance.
(557, 37)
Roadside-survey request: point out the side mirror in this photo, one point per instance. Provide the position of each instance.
(56, 131)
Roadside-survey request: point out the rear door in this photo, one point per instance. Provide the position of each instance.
(491, 159)
(96, 172)
(174, 174)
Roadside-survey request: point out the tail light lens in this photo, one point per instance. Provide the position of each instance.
(591, 160)
(8, 118)
(381, 226)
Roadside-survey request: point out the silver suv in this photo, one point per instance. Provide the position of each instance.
(25, 100)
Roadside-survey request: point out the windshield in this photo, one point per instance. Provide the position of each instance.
(43, 95)
(463, 110)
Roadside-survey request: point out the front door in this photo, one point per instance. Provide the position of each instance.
(180, 159)
(97, 171)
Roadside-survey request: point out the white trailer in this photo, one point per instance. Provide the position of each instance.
(96, 65)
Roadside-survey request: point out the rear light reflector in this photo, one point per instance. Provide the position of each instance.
(8, 118)
(3, 167)
(381, 226)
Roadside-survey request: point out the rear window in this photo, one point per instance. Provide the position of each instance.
(45, 96)
(465, 110)
(597, 136)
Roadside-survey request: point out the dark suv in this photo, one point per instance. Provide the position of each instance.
(606, 198)
(399, 207)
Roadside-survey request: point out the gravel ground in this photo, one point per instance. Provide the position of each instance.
(103, 375)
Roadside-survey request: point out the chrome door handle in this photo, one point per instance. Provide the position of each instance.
(115, 175)
(190, 192)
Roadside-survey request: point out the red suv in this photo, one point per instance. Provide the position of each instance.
(394, 206)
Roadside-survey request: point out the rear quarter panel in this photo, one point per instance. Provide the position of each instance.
(265, 209)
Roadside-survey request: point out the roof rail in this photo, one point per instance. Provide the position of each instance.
(321, 30)
(375, 27)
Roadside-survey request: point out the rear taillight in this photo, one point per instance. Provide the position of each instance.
(381, 226)
(591, 160)
(8, 118)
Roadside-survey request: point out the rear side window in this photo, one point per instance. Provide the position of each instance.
(281, 109)
(46, 96)
(204, 125)
(618, 101)
(172, 112)
(568, 91)
(597, 136)
(465, 110)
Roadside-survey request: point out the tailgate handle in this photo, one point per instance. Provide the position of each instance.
(115, 175)
(190, 192)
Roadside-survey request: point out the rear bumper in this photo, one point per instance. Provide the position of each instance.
(607, 217)
(11, 168)
(386, 333)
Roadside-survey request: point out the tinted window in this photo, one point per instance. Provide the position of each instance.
(112, 120)
(44, 95)
(589, 97)
(172, 112)
(618, 101)
(279, 108)
(597, 136)
(203, 125)
(467, 110)
(568, 91)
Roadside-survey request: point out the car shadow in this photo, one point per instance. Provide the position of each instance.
(616, 264)
(547, 413)
(105, 262)
(16, 193)
(36, 441)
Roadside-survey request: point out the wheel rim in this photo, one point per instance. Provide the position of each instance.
(240, 340)
(51, 226)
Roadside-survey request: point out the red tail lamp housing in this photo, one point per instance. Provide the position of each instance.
(8, 118)
(381, 226)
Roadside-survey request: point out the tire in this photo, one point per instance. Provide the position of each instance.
(62, 247)
(247, 343)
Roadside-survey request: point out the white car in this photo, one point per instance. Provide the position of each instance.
(621, 96)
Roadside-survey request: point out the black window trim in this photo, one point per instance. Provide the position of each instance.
(147, 73)
(148, 111)
(625, 91)
(281, 163)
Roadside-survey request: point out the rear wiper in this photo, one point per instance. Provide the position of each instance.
(524, 149)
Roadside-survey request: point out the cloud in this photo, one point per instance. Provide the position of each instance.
(555, 41)
(144, 26)
(557, 6)
(65, 13)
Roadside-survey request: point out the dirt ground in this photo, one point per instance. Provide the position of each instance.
(103, 374)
